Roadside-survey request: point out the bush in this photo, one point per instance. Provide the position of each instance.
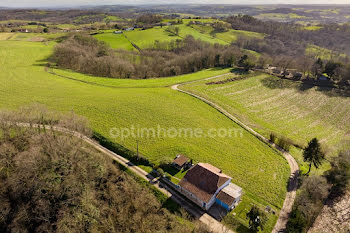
(308, 204)
(272, 137)
(285, 143)
(339, 174)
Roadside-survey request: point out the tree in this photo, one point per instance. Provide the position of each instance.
(296, 222)
(285, 143)
(318, 67)
(308, 204)
(273, 137)
(331, 68)
(177, 30)
(173, 30)
(45, 30)
(313, 154)
(339, 174)
(245, 63)
(257, 219)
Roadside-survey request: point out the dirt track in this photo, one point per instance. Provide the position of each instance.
(294, 168)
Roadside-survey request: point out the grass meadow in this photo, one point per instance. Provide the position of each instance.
(115, 41)
(269, 104)
(142, 83)
(322, 53)
(146, 38)
(13, 36)
(262, 172)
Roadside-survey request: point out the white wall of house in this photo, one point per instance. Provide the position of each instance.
(192, 197)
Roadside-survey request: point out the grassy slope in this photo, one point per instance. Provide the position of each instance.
(260, 171)
(146, 38)
(269, 104)
(29, 36)
(320, 52)
(228, 36)
(156, 82)
(116, 41)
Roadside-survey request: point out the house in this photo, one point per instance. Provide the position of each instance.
(205, 185)
(23, 30)
(180, 162)
(130, 29)
(273, 70)
(118, 32)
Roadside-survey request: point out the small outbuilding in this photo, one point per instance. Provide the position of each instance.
(180, 162)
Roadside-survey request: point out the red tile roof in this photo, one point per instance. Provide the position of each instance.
(203, 180)
(225, 198)
(180, 160)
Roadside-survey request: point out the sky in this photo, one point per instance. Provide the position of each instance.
(70, 3)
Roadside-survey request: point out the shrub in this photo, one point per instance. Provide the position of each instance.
(339, 174)
(308, 204)
(273, 137)
(285, 143)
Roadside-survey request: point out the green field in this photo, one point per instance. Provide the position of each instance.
(269, 104)
(279, 16)
(146, 38)
(30, 36)
(262, 172)
(312, 28)
(316, 51)
(228, 36)
(133, 83)
(115, 41)
(6, 36)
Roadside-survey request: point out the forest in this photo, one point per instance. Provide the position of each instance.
(85, 54)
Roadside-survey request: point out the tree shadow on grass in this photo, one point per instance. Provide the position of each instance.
(239, 71)
(172, 206)
(303, 86)
(120, 150)
(170, 169)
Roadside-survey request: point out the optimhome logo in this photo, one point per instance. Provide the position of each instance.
(173, 132)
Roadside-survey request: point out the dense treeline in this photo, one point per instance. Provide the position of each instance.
(85, 54)
(316, 189)
(285, 46)
(331, 36)
(51, 182)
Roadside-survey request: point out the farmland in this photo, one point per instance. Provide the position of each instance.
(29, 36)
(146, 38)
(300, 112)
(262, 172)
(115, 41)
